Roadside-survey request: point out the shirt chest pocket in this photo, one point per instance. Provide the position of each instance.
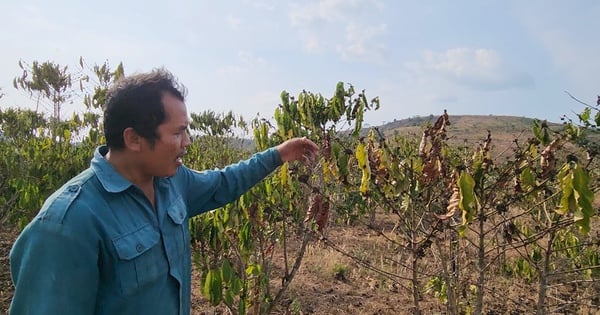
(141, 261)
(176, 231)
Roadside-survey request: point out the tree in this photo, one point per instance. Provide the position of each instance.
(48, 80)
(37, 153)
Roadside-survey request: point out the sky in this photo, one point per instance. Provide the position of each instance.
(504, 57)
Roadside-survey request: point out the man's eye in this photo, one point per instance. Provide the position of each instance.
(183, 131)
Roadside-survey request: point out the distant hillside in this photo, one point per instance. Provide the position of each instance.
(471, 130)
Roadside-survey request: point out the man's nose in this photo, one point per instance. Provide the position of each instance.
(187, 139)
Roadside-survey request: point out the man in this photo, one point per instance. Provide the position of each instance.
(115, 239)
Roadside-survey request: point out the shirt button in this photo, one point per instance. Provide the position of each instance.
(73, 188)
(139, 248)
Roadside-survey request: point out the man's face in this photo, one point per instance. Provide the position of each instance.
(165, 157)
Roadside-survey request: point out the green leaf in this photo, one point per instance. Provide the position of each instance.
(359, 117)
(236, 285)
(228, 297)
(581, 183)
(577, 196)
(285, 98)
(207, 281)
(213, 287)
(536, 255)
(584, 197)
(537, 129)
(527, 178)
(546, 137)
(245, 235)
(565, 180)
(242, 306)
(477, 166)
(585, 115)
(541, 132)
(227, 272)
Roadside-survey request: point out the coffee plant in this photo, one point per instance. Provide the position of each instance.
(464, 216)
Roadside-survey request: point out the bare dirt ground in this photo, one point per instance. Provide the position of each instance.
(330, 282)
(319, 288)
(327, 283)
(7, 237)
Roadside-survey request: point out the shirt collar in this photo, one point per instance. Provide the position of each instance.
(110, 179)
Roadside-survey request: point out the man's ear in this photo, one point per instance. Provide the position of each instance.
(133, 141)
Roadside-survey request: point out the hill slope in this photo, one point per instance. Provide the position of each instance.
(471, 130)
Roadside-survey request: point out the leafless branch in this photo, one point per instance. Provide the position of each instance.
(578, 101)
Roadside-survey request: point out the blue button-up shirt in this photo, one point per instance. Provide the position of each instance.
(99, 247)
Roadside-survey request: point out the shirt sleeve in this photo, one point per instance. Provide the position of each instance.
(212, 189)
(54, 269)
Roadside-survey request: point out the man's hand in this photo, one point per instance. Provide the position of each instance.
(298, 149)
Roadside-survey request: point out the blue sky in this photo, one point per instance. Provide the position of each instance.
(420, 57)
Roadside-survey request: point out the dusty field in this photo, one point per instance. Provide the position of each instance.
(327, 283)
(330, 282)
(318, 288)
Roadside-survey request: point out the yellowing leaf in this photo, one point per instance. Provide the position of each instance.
(283, 174)
(466, 183)
(362, 158)
(361, 155)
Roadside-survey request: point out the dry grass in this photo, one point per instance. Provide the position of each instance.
(331, 282)
(339, 277)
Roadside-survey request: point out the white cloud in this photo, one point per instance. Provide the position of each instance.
(567, 31)
(263, 102)
(331, 10)
(233, 22)
(311, 42)
(342, 26)
(479, 69)
(245, 63)
(360, 43)
(319, 11)
(250, 60)
(263, 4)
